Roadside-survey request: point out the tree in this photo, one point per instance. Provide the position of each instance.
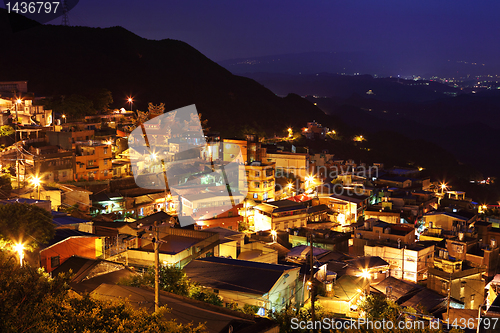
(32, 301)
(5, 184)
(101, 99)
(6, 130)
(28, 224)
(174, 280)
(377, 307)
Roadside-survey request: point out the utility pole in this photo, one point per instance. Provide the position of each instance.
(449, 299)
(156, 245)
(311, 263)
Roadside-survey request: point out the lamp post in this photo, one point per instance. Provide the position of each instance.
(36, 182)
(20, 250)
(130, 100)
(64, 117)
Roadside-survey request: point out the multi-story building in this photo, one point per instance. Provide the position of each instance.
(234, 150)
(449, 221)
(24, 110)
(49, 163)
(347, 207)
(280, 215)
(67, 139)
(314, 130)
(93, 161)
(289, 163)
(456, 278)
(260, 180)
(409, 263)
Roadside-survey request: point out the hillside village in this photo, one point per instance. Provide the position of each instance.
(291, 226)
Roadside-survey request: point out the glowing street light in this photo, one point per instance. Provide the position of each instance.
(310, 181)
(131, 101)
(64, 117)
(19, 248)
(443, 187)
(36, 181)
(274, 234)
(365, 274)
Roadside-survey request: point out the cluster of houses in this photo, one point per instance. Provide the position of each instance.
(369, 229)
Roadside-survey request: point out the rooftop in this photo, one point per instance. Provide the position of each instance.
(237, 275)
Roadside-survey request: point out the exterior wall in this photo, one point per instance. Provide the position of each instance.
(327, 244)
(82, 198)
(383, 216)
(208, 204)
(407, 264)
(147, 258)
(466, 286)
(95, 163)
(89, 247)
(53, 196)
(458, 249)
(284, 290)
(228, 249)
(262, 221)
(289, 163)
(241, 298)
(378, 234)
(231, 223)
(268, 255)
(442, 221)
(281, 295)
(232, 149)
(55, 167)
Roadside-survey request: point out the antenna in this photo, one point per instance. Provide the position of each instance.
(65, 18)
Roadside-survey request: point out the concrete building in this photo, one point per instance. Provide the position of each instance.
(260, 180)
(50, 163)
(409, 263)
(93, 161)
(289, 163)
(279, 215)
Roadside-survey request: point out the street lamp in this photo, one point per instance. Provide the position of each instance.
(20, 250)
(130, 100)
(36, 181)
(274, 234)
(64, 117)
(18, 102)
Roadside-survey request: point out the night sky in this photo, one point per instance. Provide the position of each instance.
(420, 31)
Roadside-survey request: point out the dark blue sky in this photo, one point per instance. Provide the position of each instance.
(420, 30)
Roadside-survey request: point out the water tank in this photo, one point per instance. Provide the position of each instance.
(430, 225)
(460, 236)
(328, 286)
(367, 225)
(441, 253)
(387, 230)
(358, 235)
(388, 291)
(493, 243)
(445, 254)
